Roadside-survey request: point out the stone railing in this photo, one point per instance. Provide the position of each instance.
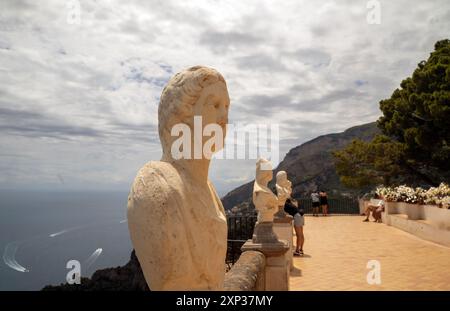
(247, 274)
(266, 258)
(264, 263)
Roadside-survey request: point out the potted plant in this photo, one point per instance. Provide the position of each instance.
(414, 208)
(436, 208)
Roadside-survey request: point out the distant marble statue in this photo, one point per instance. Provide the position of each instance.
(265, 201)
(284, 191)
(176, 220)
(264, 240)
(266, 204)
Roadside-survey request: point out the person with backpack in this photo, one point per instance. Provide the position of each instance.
(291, 207)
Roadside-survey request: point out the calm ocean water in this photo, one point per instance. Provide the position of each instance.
(41, 231)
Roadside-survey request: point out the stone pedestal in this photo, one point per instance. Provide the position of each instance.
(283, 228)
(276, 274)
(263, 233)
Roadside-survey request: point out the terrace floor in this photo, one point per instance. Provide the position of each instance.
(338, 248)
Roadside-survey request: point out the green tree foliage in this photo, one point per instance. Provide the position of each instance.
(418, 114)
(416, 128)
(363, 164)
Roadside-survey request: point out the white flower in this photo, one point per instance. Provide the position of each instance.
(434, 195)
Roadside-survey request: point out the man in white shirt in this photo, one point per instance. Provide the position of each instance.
(315, 198)
(376, 210)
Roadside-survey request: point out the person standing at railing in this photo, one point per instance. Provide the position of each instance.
(315, 198)
(324, 202)
(291, 207)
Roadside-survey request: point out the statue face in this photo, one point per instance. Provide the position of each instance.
(282, 178)
(212, 106)
(264, 176)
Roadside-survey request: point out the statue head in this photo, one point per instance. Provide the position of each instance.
(281, 177)
(264, 172)
(196, 91)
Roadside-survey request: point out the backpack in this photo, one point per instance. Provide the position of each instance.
(291, 209)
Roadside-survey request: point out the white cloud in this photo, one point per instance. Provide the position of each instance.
(80, 100)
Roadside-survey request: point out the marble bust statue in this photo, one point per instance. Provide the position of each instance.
(265, 201)
(284, 189)
(266, 204)
(176, 220)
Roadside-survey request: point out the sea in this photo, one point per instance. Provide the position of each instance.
(42, 231)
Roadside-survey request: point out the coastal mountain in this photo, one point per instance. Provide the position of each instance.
(310, 166)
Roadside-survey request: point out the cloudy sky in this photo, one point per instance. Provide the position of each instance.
(79, 92)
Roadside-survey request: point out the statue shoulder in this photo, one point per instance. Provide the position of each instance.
(262, 196)
(280, 190)
(155, 184)
(156, 224)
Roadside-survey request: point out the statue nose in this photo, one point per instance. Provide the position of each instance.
(223, 113)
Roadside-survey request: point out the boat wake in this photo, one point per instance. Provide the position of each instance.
(65, 231)
(9, 257)
(88, 262)
(12, 247)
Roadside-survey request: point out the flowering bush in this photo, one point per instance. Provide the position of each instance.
(388, 193)
(438, 195)
(433, 196)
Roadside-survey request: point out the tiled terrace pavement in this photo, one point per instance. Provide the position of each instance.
(337, 249)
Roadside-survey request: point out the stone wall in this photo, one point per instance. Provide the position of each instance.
(424, 221)
(247, 274)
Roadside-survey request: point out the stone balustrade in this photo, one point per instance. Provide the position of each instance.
(263, 265)
(247, 274)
